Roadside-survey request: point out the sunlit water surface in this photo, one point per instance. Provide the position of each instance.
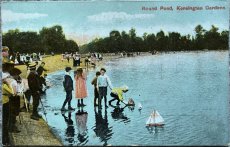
(189, 90)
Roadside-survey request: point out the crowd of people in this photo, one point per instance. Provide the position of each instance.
(90, 58)
(15, 88)
(21, 59)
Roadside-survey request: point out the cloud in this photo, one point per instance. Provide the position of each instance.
(110, 17)
(10, 16)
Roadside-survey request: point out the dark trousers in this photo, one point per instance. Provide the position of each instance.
(115, 97)
(28, 95)
(78, 62)
(102, 93)
(96, 95)
(14, 106)
(68, 98)
(5, 123)
(36, 99)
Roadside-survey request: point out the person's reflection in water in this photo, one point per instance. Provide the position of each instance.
(81, 120)
(117, 114)
(102, 129)
(70, 128)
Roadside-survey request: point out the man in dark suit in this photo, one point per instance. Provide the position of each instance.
(35, 88)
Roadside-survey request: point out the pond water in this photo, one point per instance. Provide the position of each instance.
(189, 90)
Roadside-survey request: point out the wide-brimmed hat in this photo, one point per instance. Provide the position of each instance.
(15, 71)
(5, 48)
(79, 68)
(125, 87)
(5, 75)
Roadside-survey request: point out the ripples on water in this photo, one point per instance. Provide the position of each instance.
(190, 91)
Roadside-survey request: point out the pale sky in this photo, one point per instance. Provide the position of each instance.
(83, 21)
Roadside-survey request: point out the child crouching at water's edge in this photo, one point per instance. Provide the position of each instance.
(80, 83)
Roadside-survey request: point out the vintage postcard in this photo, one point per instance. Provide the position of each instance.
(112, 73)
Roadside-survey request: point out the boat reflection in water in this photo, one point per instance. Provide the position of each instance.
(154, 129)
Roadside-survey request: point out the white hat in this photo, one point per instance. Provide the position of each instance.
(125, 87)
(5, 75)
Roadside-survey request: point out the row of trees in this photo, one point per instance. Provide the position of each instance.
(47, 40)
(53, 40)
(172, 41)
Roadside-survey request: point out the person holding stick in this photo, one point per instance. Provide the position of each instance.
(35, 88)
(117, 94)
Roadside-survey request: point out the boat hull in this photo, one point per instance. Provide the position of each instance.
(155, 125)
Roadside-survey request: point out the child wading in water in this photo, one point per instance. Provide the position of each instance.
(96, 94)
(81, 90)
(68, 86)
(103, 82)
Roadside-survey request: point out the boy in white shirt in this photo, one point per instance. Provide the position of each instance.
(103, 82)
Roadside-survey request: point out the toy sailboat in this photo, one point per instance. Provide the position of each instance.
(139, 106)
(155, 119)
(131, 102)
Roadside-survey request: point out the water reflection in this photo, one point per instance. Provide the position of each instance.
(101, 128)
(131, 108)
(154, 129)
(187, 93)
(70, 128)
(117, 114)
(81, 121)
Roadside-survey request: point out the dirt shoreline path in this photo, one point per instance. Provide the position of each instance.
(38, 132)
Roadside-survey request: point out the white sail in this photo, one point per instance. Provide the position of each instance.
(149, 121)
(139, 106)
(155, 119)
(158, 118)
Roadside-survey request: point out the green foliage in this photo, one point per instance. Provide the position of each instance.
(47, 40)
(161, 41)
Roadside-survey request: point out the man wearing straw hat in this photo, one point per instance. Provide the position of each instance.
(35, 88)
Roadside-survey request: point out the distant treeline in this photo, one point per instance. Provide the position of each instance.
(172, 41)
(53, 40)
(46, 41)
